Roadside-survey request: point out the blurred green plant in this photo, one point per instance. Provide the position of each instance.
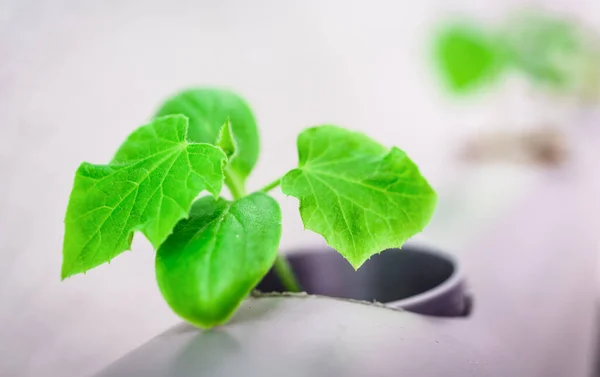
(543, 47)
(467, 56)
(551, 51)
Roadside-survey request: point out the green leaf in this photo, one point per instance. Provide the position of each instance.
(466, 57)
(545, 47)
(215, 258)
(360, 196)
(226, 141)
(149, 186)
(208, 109)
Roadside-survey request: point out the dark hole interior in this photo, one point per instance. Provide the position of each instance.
(390, 276)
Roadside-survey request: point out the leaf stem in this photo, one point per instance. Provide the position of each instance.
(286, 275)
(236, 187)
(271, 185)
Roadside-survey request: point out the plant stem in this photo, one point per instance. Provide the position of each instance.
(271, 185)
(235, 187)
(286, 275)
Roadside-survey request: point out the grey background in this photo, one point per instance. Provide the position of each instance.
(76, 77)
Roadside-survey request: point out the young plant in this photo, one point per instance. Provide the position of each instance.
(211, 252)
(554, 53)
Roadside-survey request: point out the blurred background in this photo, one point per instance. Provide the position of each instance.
(496, 101)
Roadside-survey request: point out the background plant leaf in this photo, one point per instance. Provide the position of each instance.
(149, 186)
(360, 196)
(543, 46)
(208, 109)
(467, 57)
(215, 258)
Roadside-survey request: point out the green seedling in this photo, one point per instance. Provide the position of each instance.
(554, 53)
(166, 179)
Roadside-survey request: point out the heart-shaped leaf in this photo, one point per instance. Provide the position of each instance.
(360, 196)
(215, 258)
